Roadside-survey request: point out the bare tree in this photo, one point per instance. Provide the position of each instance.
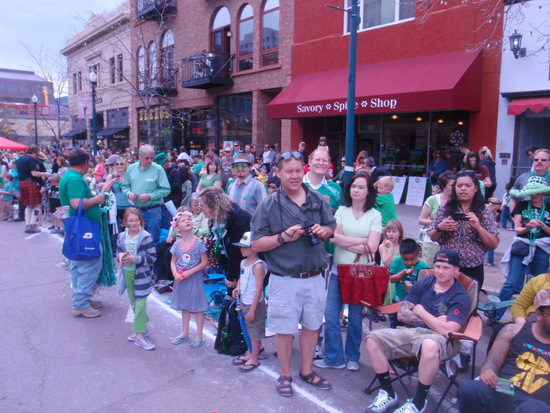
(52, 69)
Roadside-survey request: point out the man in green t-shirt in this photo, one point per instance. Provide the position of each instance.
(84, 274)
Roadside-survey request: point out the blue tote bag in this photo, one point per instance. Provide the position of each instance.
(82, 237)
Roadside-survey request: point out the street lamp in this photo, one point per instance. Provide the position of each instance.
(93, 82)
(34, 100)
(354, 21)
(515, 44)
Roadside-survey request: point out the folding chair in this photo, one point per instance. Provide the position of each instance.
(471, 331)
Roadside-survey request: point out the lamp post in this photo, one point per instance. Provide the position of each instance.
(93, 82)
(34, 100)
(350, 115)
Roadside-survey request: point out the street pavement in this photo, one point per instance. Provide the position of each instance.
(52, 361)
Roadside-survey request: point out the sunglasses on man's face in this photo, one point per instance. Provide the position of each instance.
(240, 165)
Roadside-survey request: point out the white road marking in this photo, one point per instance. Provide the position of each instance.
(267, 370)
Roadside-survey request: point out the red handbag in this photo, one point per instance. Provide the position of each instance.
(363, 282)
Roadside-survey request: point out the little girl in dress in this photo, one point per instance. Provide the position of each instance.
(189, 259)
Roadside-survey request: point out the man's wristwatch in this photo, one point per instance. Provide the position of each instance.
(280, 239)
(437, 228)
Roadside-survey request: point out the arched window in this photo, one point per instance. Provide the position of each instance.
(153, 65)
(270, 33)
(167, 60)
(141, 68)
(246, 38)
(221, 36)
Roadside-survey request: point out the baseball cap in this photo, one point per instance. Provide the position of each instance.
(542, 299)
(302, 144)
(242, 158)
(451, 257)
(111, 160)
(245, 240)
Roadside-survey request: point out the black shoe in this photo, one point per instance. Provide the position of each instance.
(18, 219)
(464, 363)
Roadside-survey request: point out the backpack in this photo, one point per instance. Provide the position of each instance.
(230, 339)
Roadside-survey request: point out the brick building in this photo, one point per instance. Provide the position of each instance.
(205, 71)
(425, 78)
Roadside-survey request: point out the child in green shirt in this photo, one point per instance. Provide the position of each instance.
(385, 203)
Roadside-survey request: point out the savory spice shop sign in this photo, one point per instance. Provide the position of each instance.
(339, 107)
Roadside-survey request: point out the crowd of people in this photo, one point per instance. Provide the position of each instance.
(169, 218)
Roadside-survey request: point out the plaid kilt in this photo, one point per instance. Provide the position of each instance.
(30, 193)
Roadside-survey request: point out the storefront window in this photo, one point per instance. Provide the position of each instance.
(155, 126)
(236, 118)
(533, 129)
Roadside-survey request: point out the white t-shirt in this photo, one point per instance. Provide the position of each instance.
(248, 281)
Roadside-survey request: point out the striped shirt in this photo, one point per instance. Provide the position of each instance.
(248, 194)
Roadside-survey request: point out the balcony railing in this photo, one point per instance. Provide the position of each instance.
(155, 9)
(165, 84)
(207, 70)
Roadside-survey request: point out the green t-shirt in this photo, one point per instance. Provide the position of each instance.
(400, 286)
(385, 204)
(208, 182)
(198, 167)
(8, 188)
(73, 185)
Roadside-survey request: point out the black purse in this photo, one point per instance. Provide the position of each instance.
(519, 248)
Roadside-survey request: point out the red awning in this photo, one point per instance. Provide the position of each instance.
(518, 106)
(449, 81)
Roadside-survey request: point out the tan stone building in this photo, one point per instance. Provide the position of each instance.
(103, 46)
(205, 71)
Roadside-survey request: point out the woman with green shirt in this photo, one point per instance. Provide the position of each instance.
(210, 178)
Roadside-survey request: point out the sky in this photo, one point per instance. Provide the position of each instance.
(43, 26)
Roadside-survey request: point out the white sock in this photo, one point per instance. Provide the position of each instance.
(34, 216)
(28, 213)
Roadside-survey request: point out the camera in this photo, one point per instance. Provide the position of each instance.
(313, 240)
(460, 216)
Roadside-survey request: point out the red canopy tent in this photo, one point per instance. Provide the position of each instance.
(9, 144)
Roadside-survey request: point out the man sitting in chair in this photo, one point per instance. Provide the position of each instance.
(435, 306)
(515, 376)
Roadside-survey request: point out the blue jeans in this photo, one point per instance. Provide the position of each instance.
(153, 218)
(476, 396)
(84, 275)
(334, 347)
(506, 216)
(491, 257)
(516, 275)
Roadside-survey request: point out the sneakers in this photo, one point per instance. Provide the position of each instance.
(383, 402)
(409, 407)
(31, 229)
(323, 365)
(144, 343)
(86, 312)
(318, 353)
(96, 304)
(132, 337)
(352, 366)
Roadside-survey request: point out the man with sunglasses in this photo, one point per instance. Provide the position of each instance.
(541, 167)
(245, 190)
(514, 377)
(290, 226)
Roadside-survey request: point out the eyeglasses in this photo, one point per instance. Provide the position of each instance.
(291, 154)
(119, 164)
(240, 165)
(343, 160)
(544, 312)
(540, 160)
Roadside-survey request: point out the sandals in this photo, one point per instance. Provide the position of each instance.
(239, 361)
(178, 340)
(196, 344)
(284, 386)
(245, 368)
(320, 383)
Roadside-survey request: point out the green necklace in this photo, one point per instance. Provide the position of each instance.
(533, 233)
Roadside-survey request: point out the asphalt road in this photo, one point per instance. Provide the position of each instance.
(52, 361)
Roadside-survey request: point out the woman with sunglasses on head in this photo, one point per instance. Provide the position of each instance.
(473, 163)
(466, 225)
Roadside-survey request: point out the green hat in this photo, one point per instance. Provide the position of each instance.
(535, 185)
(161, 158)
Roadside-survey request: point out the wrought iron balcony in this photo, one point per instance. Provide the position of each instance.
(207, 70)
(165, 84)
(155, 9)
